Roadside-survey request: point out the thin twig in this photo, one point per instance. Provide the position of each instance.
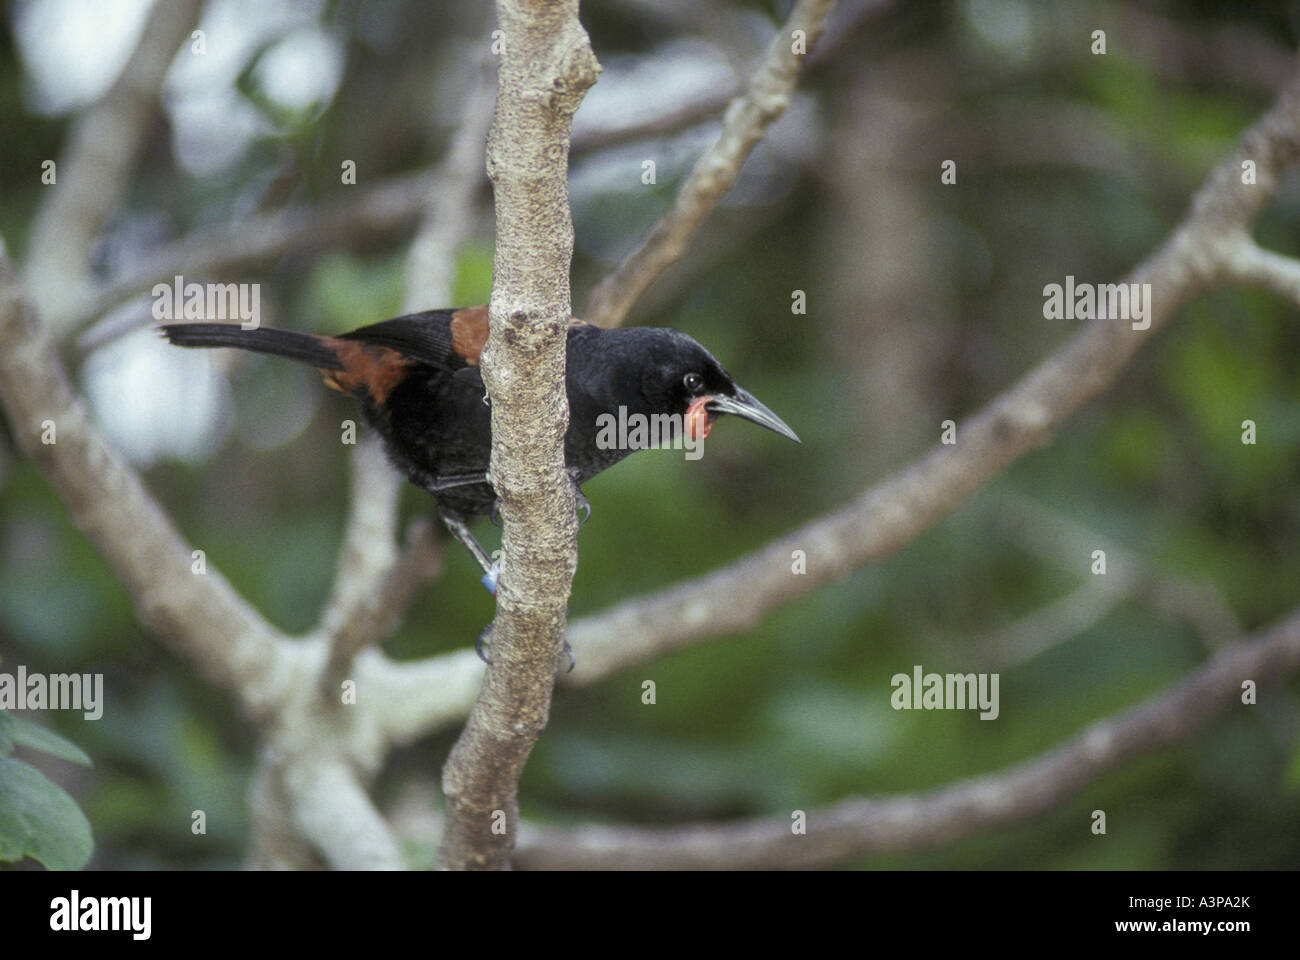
(747, 118)
(378, 612)
(1247, 263)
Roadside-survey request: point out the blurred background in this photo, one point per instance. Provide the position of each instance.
(924, 300)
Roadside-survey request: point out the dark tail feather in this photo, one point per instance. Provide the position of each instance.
(282, 343)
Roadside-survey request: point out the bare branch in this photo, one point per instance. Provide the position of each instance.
(861, 827)
(275, 843)
(676, 115)
(1049, 625)
(375, 614)
(332, 811)
(96, 164)
(187, 603)
(546, 68)
(374, 584)
(368, 551)
(1247, 263)
(390, 206)
(747, 118)
(895, 511)
(421, 696)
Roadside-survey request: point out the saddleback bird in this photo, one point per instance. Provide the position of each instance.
(418, 379)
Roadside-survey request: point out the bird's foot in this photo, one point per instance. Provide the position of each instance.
(579, 497)
(483, 641)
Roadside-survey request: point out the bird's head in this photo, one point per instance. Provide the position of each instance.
(679, 376)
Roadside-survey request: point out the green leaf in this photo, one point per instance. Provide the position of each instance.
(27, 734)
(39, 820)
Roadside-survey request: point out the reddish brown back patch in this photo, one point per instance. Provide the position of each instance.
(469, 332)
(378, 369)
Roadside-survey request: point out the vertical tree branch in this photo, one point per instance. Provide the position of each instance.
(547, 65)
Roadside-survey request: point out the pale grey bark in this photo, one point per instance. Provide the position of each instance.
(547, 66)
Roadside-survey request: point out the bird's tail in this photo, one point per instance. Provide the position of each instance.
(306, 347)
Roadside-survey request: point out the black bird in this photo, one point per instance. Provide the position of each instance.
(418, 379)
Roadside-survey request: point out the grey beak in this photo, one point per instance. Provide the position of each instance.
(743, 404)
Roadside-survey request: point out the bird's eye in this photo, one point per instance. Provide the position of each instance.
(693, 382)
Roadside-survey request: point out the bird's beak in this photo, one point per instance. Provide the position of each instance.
(744, 404)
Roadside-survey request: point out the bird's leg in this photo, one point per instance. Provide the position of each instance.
(457, 527)
(451, 481)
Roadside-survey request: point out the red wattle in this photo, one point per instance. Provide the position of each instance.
(697, 422)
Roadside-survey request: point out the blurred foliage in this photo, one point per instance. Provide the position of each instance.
(795, 714)
(37, 817)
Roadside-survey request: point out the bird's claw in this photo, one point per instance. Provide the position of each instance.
(580, 498)
(481, 640)
(495, 514)
(568, 652)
